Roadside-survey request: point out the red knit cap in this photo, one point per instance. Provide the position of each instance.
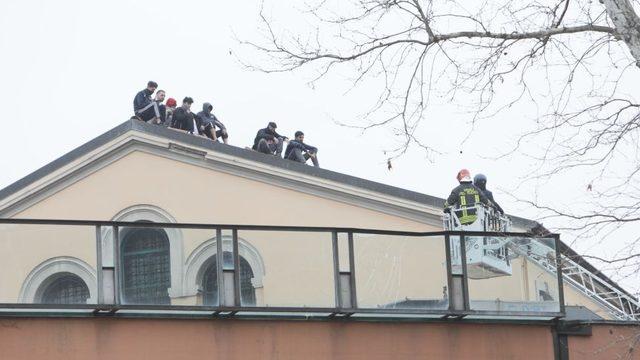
(171, 102)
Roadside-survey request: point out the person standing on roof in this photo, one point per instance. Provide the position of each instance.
(296, 148)
(185, 120)
(268, 141)
(210, 122)
(143, 106)
(465, 196)
(480, 181)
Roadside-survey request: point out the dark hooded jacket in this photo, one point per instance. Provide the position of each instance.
(206, 117)
(142, 99)
(266, 134)
(183, 120)
(489, 196)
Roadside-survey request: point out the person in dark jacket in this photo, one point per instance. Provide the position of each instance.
(296, 148)
(480, 181)
(185, 120)
(465, 196)
(268, 141)
(143, 106)
(210, 122)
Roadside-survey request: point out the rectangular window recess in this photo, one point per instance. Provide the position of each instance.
(187, 150)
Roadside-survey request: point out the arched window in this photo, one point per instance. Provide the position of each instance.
(65, 288)
(210, 281)
(146, 266)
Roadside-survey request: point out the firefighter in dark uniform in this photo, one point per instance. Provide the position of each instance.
(465, 196)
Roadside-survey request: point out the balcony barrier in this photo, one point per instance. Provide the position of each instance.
(102, 268)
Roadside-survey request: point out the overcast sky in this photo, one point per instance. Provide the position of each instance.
(70, 70)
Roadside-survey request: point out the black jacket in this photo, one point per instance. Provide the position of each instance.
(294, 144)
(142, 99)
(206, 117)
(466, 194)
(266, 134)
(183, 120)
(489, 196)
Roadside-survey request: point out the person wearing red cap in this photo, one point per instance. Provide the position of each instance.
(465, 196)
(171, 106)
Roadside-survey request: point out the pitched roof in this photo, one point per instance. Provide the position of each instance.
(180, 137)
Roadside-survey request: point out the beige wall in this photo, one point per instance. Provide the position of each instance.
(194, 194)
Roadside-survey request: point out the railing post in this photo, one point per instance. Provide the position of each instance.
(99, 268)
(236, 269)
(117, 273)
(219, 266)
(559, 273)
(336, 270)
(450, 292)
(465, 278)
(352, 273)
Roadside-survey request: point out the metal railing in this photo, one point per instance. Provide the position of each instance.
(272, 271)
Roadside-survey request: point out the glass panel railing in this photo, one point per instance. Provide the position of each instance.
(512, 274)
(48, 264)
(286, 269)
(400, 272)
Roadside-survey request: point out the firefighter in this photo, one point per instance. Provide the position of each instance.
(465, 196)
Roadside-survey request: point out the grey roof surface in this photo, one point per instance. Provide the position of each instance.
(263, 158)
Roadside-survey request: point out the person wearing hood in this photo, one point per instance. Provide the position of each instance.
(144, 107)
(210, 122)
(465, 197)
(268, 141)
(480, 181)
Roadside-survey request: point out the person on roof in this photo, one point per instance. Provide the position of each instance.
(210, 122)
(296, 148)
(480, 181)
(144, 107)
(465, 196)
(159, 99)
(185, 120)
(170, 108)
(268, 141)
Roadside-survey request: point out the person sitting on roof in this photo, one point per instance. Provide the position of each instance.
(169, 110)
(480, 181)
(465, 197)
(268, 141)
(185, 120)
(296, 148)
(162, 109)
(144, 107)
(210, 122)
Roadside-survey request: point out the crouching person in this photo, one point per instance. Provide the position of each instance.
(268, 141)
(210, 122)
(298, 151)
(145, 108)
